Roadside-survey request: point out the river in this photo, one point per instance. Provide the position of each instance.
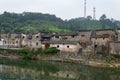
(44, 70)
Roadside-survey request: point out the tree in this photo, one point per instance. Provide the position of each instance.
(103, 17)
(103, 21)
(89, 17)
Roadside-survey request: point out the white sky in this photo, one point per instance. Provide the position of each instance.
(65, 9)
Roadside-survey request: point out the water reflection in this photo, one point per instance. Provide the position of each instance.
(39, 70)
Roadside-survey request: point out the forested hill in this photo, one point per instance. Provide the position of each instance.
(37, 22)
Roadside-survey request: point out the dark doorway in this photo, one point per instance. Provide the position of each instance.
(47, 45)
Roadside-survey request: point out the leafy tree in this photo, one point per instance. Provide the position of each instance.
(36, 22)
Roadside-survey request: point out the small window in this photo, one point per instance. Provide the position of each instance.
(16, 42)
(82, 35)
(95, 46)
(56, 36)
(36, 43)
(23, 37)
(5, 42)
(57, 46)
(67, 46)
(37, 36)
(73, 36)
(13, 43)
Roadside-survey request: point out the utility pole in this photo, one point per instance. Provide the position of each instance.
(94, 15)
(84, 8)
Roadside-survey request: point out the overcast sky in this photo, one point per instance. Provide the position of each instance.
(65, 9)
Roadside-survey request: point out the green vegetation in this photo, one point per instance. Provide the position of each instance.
(116, 56)
(51, 50)
(8, 51)
(28, 53)
(37, 22)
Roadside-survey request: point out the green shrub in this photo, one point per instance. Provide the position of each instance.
(51, 50)
(29, 54)
(116, 56)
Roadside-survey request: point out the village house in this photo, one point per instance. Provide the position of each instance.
(114, 46)
(11, 40)
(46, 36)
(31, 40)
(84, 36)
(65, 36)
(100, 39)
(1, 42)
(64, 45)
(82, 41)
(118, 35)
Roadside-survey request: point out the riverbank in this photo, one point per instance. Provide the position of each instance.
(93, 63)
(68, 59)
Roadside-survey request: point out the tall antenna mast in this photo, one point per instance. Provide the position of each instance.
(84, 8)
(94, 15)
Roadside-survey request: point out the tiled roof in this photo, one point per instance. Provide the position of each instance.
(94, 35)
(30, 36)
(61, 42)
(65, 34)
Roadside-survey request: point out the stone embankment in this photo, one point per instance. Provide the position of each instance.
(70, 58)
(85, 60)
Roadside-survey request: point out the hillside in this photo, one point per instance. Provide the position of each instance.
(37, 22)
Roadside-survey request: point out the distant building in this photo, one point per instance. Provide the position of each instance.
(31, 40)
(100, 39)
(63, 45)
(11, 40)
(84, 35)
(82, 41)
(65, 36)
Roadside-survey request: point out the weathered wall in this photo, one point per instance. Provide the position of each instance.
(114, 47)
(34, 42)
(67, 47)
(84, 36)
(100, 41)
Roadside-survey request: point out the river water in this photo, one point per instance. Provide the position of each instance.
(43, 70)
